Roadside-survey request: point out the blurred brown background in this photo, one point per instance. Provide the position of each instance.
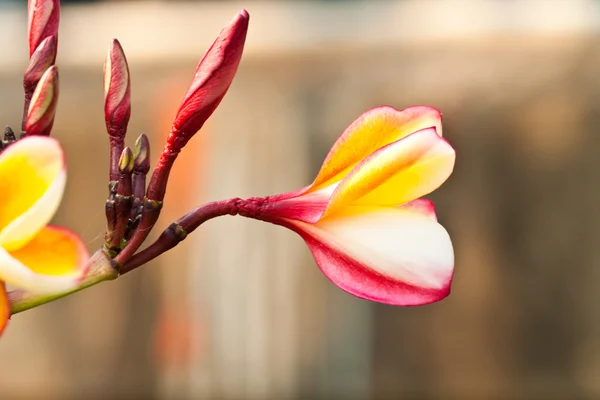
(239, 310)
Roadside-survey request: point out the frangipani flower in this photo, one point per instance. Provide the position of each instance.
(363, 219)
(34, 256)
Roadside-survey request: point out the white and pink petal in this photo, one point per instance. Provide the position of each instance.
(424, 207)
(389, 255)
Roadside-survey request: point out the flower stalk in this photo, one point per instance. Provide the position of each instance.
(140, 170)
(103, 268)
(100, 269)
(179, 230)
(123, 199)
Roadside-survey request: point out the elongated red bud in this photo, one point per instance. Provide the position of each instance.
(40, 116)
(117, 103)
(213, 77)
(44, 17)
(42, 59)
(117, 91)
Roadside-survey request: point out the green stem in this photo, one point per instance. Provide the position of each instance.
(100, 270)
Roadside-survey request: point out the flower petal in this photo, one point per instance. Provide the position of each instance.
(424, 207)
(55, 260)
(389, 255)
(4, 307)
(372, 130)
(32, 181)
(397, 173)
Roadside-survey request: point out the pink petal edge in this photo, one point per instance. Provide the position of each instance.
(361, 281)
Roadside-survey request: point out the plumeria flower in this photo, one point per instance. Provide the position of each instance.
(363, 218)
(35, 256)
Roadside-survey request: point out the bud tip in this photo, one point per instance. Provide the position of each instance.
(142, 153)
(126, 161)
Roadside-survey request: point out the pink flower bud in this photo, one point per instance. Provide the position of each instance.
(44, 16)
(213, 77)
(117, 91)
(42, 59)
(40, 116)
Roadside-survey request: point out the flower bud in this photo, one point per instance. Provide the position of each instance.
(117, 91)
(213, 77)
(141, 167)
(40, 116)
(142, 154)
(126, 161)
(42, 59)
(44, 16)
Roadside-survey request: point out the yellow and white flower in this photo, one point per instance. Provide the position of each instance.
(35, 256)
(363, 217)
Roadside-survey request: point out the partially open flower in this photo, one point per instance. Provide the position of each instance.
(34, 256)
(362, 217)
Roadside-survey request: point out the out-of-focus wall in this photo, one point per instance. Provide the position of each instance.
(239, 310)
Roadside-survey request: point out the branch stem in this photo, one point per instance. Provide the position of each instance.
(101, 269)
(179, 230)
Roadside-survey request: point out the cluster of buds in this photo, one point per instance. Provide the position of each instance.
(132, 209)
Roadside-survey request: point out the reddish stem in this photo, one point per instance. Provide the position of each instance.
(179, 230)
(152, 204)
(117, 144)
